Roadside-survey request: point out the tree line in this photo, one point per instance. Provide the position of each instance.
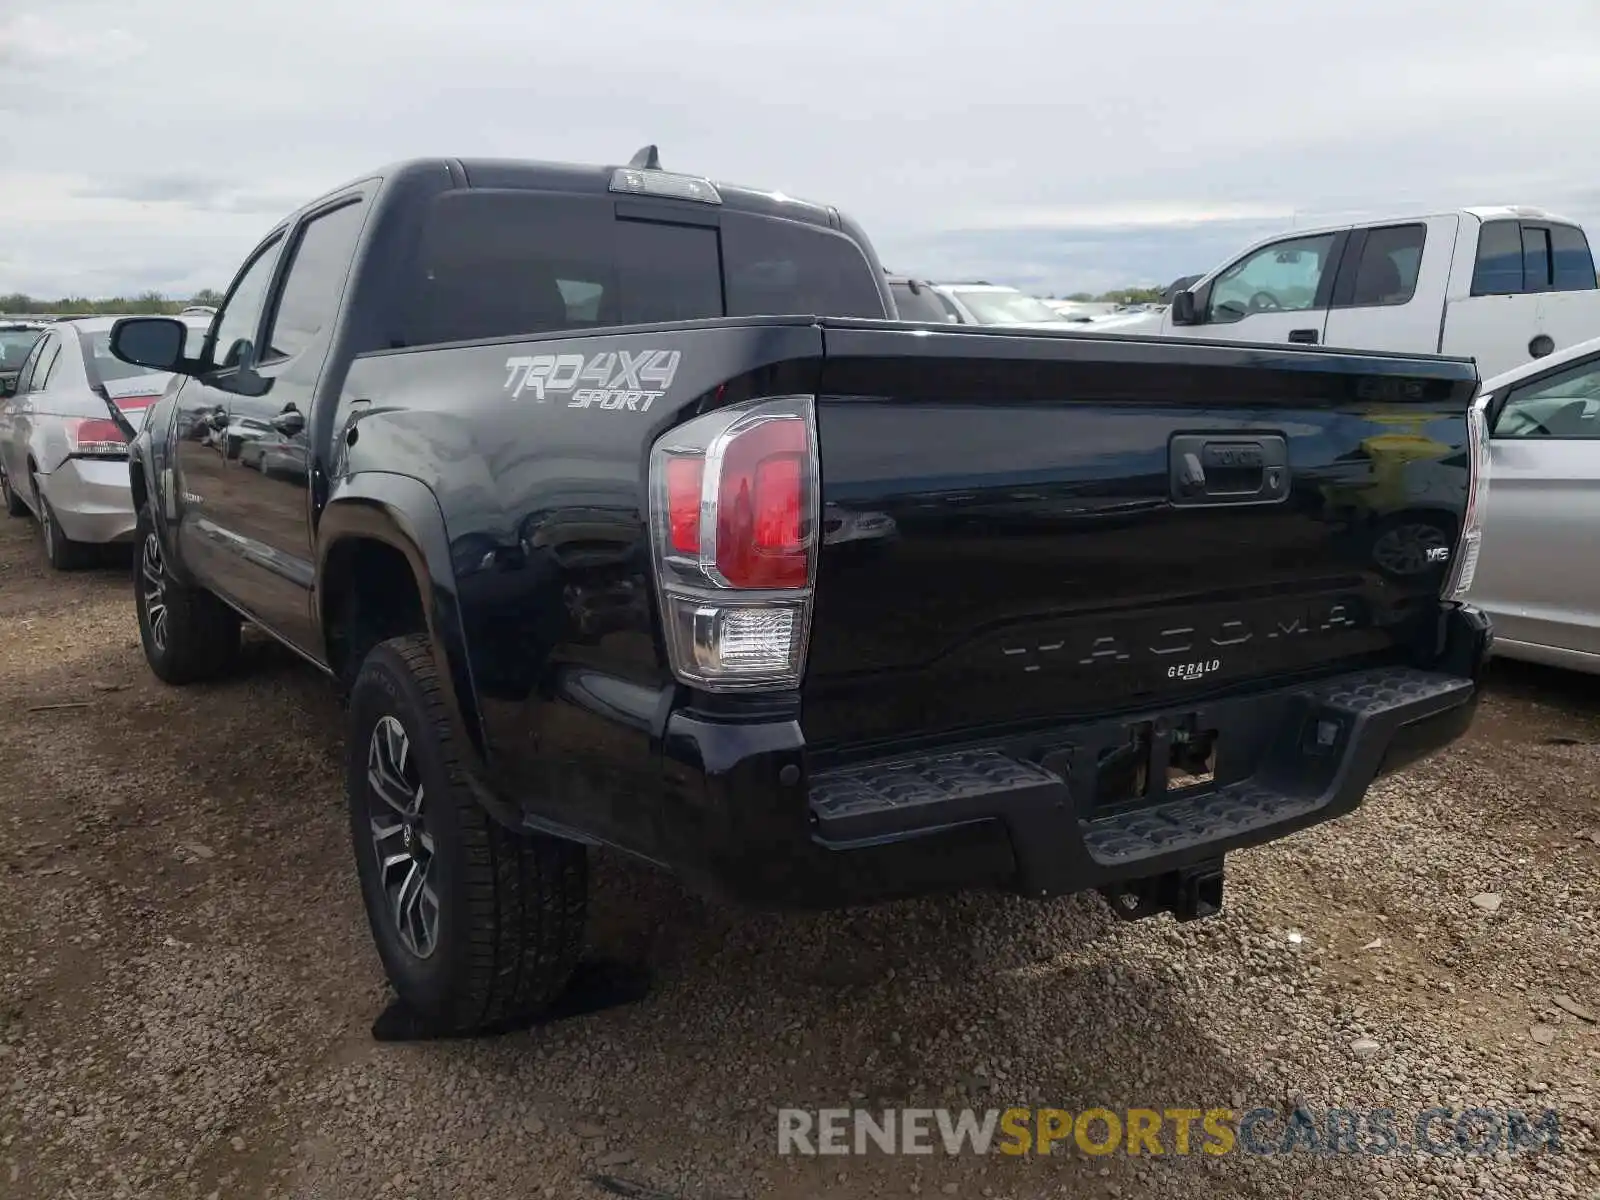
(144, 304)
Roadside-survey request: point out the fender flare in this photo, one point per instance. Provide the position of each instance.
(403, 512)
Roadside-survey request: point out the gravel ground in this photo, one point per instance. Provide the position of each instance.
(187, 984)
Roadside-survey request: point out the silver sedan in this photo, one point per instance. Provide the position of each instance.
(1538, 576)
(62, 458)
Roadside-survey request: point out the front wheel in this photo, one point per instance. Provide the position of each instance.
(478, 927)
(188, 634)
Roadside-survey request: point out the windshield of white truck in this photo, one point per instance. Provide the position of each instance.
(503, 263)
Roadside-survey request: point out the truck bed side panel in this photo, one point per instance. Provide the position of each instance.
(545, 507)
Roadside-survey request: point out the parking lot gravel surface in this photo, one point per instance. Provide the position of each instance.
(187, 984)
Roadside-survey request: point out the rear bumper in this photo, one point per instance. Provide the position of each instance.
(744, 817)
(91, 499)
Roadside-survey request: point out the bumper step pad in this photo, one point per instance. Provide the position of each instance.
(906, 795)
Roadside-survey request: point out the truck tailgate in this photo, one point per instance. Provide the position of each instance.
(1023, 527)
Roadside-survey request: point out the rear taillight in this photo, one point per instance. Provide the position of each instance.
(96, 437)
(134, 404)
(1477, 498)
(733, 513)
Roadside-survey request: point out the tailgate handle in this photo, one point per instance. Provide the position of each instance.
(1306, 337)
(1228, 468)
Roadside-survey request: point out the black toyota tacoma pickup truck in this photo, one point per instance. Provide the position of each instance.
(626, 513)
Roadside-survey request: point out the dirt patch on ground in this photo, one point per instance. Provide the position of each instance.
(187, 983)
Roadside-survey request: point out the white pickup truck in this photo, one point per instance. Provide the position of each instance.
(1501, 285)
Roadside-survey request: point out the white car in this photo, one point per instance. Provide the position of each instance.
(1505, 286)
(61, 456)
(1538, 577)
(996, 304)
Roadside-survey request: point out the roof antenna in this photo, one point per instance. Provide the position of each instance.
(647, 159)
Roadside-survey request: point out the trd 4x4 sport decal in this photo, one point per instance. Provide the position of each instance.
(623, 380)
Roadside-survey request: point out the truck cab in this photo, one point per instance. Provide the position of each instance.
(1501, 285)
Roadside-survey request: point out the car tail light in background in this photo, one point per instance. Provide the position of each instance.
(97, 437)
(1477, 497)
(134, 404)
(734, 515)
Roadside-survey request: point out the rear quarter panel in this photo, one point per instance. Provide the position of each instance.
(1497, 330)
(545, 508)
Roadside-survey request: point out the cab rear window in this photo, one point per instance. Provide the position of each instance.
(501, 263)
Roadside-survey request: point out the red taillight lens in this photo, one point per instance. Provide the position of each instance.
(95, 437)
(760, 534)
(133, 404)
(684, 476)
(733, 498)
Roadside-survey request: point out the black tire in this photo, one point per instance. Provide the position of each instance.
(60, 551)
(199, 635)
(15, 505)
(508, 909)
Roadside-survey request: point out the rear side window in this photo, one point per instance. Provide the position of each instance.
(1516, 257)
(924, 304)
(776, 267)
(47, 363)
(1391, 258)
(1572, 266)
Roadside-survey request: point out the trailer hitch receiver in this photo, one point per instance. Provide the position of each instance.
(1188, 893)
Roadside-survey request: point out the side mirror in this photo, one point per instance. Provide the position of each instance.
(154, 342)
(1184, 311)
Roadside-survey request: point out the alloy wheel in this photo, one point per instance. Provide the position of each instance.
(153, 588)
(400, 838)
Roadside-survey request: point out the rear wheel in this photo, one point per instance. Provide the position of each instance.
(13, 502)
(60, 551)
(478, 927)
(188, 634)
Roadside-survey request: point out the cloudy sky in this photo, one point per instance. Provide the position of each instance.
(1056, 144)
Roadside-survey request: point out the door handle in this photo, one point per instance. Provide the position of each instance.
(1306, 337)
(1244, 468)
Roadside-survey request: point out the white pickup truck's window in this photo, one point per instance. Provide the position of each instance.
(1517, 257)
(1282, 277)
(1391, 259)
(1565, 406)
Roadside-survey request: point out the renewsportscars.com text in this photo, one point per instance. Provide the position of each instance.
(1152, 1131)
